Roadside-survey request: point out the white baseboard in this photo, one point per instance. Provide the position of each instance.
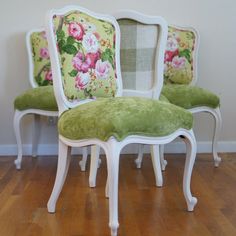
(175, 147)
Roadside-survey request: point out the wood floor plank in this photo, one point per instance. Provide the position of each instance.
(144, 209)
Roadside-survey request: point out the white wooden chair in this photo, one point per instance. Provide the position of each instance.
(180, 78)
(39, 100)
(85, 63)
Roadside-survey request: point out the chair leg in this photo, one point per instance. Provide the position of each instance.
(113, 155)
(62, 169)
(95, 150)
(138, 160)
(83, 162)
(191, 148)
(162, 158)
(218, 125)
(17, 120)
(36, 132)
(155, 154)
(107, 189)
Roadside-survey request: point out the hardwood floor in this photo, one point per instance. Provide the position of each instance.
(144, 210)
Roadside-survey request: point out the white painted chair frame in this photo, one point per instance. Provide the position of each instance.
(112, 147)
(215, 113)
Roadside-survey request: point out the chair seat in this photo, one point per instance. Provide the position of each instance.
(37, 98)
(190, 96)
(163, 98)
(123, 116)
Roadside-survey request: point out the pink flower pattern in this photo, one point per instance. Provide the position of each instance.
(80, 62)
(83, 62)
(76, 30)
(48, 75)
(169, 55)
(90, 43)
(178, 62)
(102, 69)
(92, 59)
(82, 80)
(44, 53)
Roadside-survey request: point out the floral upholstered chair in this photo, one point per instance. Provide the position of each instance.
(180, 77)
(88, 88)
(39, 100)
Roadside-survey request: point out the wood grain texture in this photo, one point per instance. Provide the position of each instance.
(144, 210)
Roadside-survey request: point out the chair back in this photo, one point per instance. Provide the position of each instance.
(40, 73)
(84, 48)
(143, 41)
(181, 55)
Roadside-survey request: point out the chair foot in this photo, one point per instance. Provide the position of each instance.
(17, 164)
(114, 230)
(138, 163)
(92, 183)
(162, 159)
(139, 159)
(82, 164)
(163, 164)
(51, 207)
(217, 160)
(191, 203)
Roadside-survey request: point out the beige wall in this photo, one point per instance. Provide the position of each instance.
(215, 20)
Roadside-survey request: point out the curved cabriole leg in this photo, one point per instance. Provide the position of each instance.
(17, 120)
(218, 125)
(36, 131)
(162, 158)
(113, 155)
(83, 162)
(95, 150)
(138, 160)
(191, 148)
(155, 154)
(62, 169)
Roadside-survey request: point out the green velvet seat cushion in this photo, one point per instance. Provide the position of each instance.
(163, 98)
(37, 98)
(123, 116)
(187, 96)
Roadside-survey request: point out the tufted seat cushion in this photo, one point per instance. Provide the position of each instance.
(190, 96)
(37, 98)
(120, 117)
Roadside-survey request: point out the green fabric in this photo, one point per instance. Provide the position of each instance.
(123, 116)
(190, 96)
(163, 98)
(37, 98)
